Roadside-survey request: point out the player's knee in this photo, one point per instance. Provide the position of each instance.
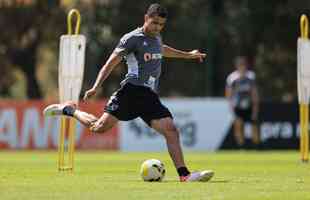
(99, 127)
(91, 122)
(170, 127)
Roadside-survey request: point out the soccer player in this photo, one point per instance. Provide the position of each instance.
(143, 50)
(241, 92)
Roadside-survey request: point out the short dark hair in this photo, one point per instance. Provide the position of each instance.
(157, 10)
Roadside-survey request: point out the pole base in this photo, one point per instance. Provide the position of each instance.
(65, 168)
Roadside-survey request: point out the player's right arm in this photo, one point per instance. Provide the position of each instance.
(228, 95)
(229, 92)
(125, 46)
(105, 71)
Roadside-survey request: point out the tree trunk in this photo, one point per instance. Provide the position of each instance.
(26, 60)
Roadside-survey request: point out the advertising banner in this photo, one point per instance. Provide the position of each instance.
(22, 126)
(278, 127)
(203, 124)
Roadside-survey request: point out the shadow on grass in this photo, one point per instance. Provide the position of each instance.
(177, 181)
(220, 181)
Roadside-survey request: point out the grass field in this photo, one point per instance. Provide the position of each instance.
(112, 175)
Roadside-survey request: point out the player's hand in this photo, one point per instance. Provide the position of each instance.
(196, 54)
(89, 93)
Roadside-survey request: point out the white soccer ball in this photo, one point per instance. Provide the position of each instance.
(152, 170)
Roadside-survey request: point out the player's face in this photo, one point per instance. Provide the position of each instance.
(153, 25)
(241, 65)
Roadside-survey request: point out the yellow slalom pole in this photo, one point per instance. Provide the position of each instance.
(306, 134)
(301, 131)
(61, 145)
(71, 123)
(72, 129)
(304, 106)
(304, 138)
(304, 26)
(78, 21)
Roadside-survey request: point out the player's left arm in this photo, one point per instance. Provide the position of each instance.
(170, 52)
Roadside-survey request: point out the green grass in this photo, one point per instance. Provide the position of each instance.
(112, 175)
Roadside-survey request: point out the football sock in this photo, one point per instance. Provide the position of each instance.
(68, 110)
(183, 171)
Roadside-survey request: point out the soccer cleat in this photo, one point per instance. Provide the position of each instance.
(202, 176)
(57, 109)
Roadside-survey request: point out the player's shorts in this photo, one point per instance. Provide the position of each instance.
(132, 101)
(244, 114)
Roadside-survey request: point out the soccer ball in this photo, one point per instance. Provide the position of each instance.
(152, 170)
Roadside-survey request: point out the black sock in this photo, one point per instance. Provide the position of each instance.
(68, 110)
(183, 171)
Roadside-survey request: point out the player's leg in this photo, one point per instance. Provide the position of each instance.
(96, 125)
(102, 124)
(254, 126)
(255, 134)
(238, 131)
(117, 108)
(157, 116)
(70, 109)
(167, 128)
(85, 118)
(238, 128)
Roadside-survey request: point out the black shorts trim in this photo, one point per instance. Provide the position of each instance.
(132, 101)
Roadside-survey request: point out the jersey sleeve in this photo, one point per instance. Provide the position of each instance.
(229, 81)
(126, 45)
(252, 77)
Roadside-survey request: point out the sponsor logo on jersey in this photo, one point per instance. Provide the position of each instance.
(152, 56)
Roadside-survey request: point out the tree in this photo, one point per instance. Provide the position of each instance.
(27, 27)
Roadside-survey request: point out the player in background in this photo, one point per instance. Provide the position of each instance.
(143, 50)
(241, 92)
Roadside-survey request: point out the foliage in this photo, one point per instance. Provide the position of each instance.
(27, 28)
(265, 31)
